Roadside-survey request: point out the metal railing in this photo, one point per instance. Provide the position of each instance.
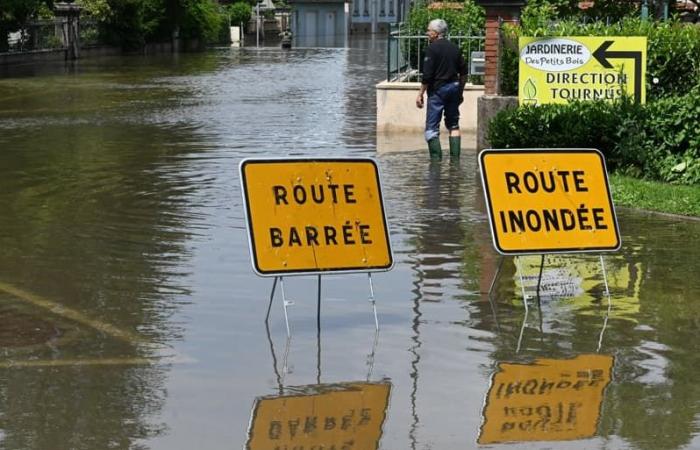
(405, 54)
(48, 35)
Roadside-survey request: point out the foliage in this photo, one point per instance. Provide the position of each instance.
(240, 13)
(202, 19)
(97, 9)
(673, 48)
(658, 141)
(132, 23)
(466, 21)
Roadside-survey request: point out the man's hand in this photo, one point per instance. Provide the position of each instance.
(419, 101)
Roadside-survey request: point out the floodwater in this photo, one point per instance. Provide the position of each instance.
(131, 317)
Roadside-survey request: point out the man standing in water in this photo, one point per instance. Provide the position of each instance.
(444, 77)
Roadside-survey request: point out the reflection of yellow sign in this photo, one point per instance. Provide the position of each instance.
(548, 201)
(315, 215)
(565, 69)
(578, 282)
(336, 416)
(550, 400)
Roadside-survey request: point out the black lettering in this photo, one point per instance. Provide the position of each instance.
(347, 234)
(330, 233)
(578, 181)
(294, 237)
(276, 237)
(546, 387)
(317, 196)
(530, 180)
(551, 220)
(364, 234)
(503, 221)
(310, 424)
(293, 427)
(512, 182)
(346, 421)
(516, 218)
(543, 179)
(582, 214)
(275, 430)
(329, 423)
(334, 188)
(529, 388)
(564, 175)
(534, 224)
(507, 426)
(311, 236)
(299, 194)
(570, 224)
(598, 218)
(280, 193)
(349, 194)
(365, 416)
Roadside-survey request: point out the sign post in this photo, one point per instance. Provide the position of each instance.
(549, 201)
(565, 69)
(315, 216)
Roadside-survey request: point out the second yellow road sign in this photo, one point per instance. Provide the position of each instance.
(548, 201)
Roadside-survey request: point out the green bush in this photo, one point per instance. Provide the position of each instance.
(461, 22)
(240, 13)
(657, 141)
(673, 48)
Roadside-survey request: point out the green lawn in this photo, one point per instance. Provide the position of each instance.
(654, 196)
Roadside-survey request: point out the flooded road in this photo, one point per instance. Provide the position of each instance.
(131, 317)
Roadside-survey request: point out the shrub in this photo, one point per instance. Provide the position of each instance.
(466, 21)
(240, 13)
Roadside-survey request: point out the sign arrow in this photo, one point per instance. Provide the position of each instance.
(602, 54)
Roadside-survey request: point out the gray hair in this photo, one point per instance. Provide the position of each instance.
(439, 26)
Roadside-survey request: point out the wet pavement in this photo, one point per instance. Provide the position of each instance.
(131, 317)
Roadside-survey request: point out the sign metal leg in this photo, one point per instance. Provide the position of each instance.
(371, 299)
(286, 303)
(522, 283)
(272, 296)
(605, 277)
(496, 275)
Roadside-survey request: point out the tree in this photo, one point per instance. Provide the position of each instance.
(240, 13)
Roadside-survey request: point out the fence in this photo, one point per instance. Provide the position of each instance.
(48, 35)
(405, 54)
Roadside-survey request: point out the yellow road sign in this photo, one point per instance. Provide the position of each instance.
(549, 400)
(334, 416)
(548, 201)
(565, 69)
(315, 215)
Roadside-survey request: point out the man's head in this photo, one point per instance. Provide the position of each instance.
(437, 29)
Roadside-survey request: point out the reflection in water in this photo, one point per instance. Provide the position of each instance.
(547, 400)
(328, 416)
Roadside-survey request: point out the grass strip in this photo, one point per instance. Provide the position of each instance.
(655, 196)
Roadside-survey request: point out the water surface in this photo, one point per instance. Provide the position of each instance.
(132, 318)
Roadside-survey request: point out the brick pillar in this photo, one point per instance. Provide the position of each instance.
(497, 13)
(494, 18)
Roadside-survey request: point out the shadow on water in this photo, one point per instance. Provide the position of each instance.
(131, 317)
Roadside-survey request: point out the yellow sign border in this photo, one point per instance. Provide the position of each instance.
(249, 224)
(538, 251)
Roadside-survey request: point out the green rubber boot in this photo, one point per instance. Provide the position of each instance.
(434, 148)
(455, 146)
